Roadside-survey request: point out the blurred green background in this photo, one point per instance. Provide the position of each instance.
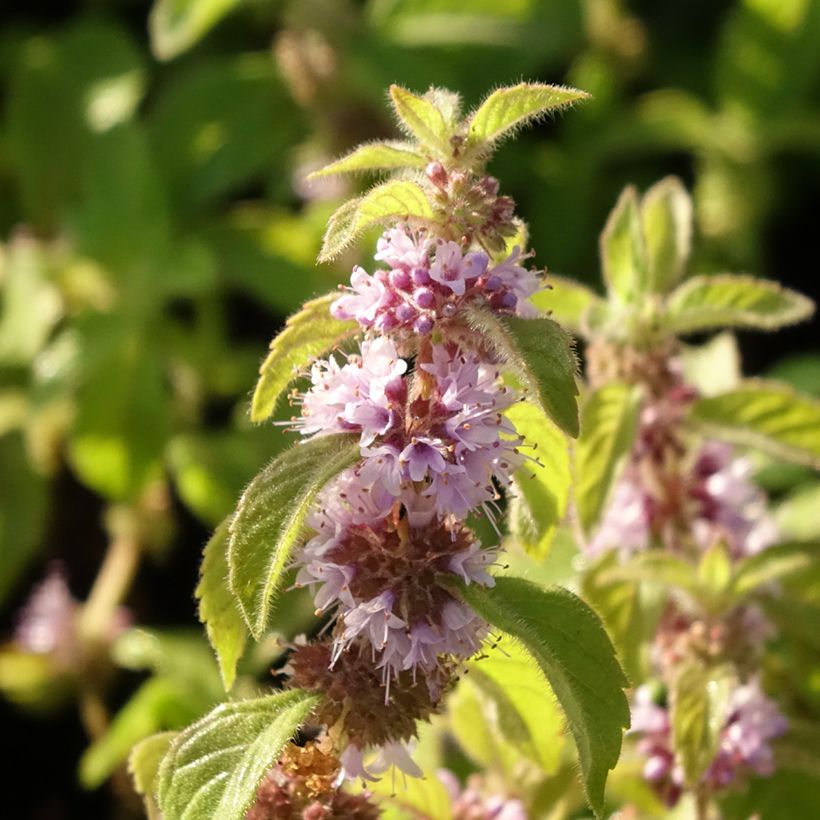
(157, 227)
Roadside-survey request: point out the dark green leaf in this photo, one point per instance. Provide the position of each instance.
(570, 645)
(541, 355)
(270, 519)
(176, 25)
(214, 767)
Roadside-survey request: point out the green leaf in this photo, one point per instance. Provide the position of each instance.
(214, 767)
(699, 708)
(310, 332)
(409, 798)
(218, 609)
(527, 713)
(713, 367)
(420, 118)
(143, 766)
(160, 703)
(177, 25)
(542, 490)
(727, 300)
(655, 566)
(507, 109)
(767, 415)
(374, 156)
(797, 517)
(397, 200)
(541, 355)
(568, 302)
(623, 252)
(714, 576)
(270, 519)
(569, 643)
(609, 423)
(666, 214)
(773, 564)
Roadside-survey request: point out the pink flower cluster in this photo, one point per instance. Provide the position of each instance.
(725, 505)
(428, 280)
(753, 722)
(474, 803)
(435, 441)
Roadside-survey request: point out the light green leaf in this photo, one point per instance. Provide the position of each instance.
(541, 355)
(767, 415)
(666, 213)
(410, 798)
(728, 300)
(623, 252)
(528, 714)
(609, 423)
(374, 156)
(421, 119)
(177, 25)
(143, 766)
(713, 367)
(699, 708)
(270, 519)
(310, 332)
(507, 109)
(542, 490)
(214, 767)
(568, 302)
(655, 566)
(714, 576)
(218, 608)
(773, 564)
(797, 516)
(569, 643)
(397, 200)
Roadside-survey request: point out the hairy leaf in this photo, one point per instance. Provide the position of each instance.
(507, 109)
(699, 707)
(143, 766)
(420, 118)
(540, 354)
(218, 608)
(728, 300)
(374, 156)
(270, 519)
(623, 251)
(767, 415)
(542, 489)
(214, 767)
(568, 302)
(666, 213)
(570, 645)
(608, 426)
(397, 200)
(310, 332)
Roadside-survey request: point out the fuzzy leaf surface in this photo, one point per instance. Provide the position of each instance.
(374, 156)
(568, 302)
(541, 355)
(623, 250)
(214, 767)
(339, 232)
(542, 489)
(507, 109)
(310, 332)
(666, 214)
(767, 415)
(143, 766)
(218, 608)
(569, 643)
(608, 427)
(728, 300)
(421, 119)
(270, 519)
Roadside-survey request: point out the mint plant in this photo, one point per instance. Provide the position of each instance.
(407, 435)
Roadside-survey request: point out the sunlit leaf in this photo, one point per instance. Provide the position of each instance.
(421, 119)
(541, 355)
(176, 25)
(773, 564)
(143, 766)
(666, 214)
(767, 415)
(218, 608)
(609, 423)
(728, 300)
(507, 109)
(270, 519)
(310, 332)
(214, 767)
(797, 516)
(375, 156)
(568, 302)
(569, 643)
(623, 251)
